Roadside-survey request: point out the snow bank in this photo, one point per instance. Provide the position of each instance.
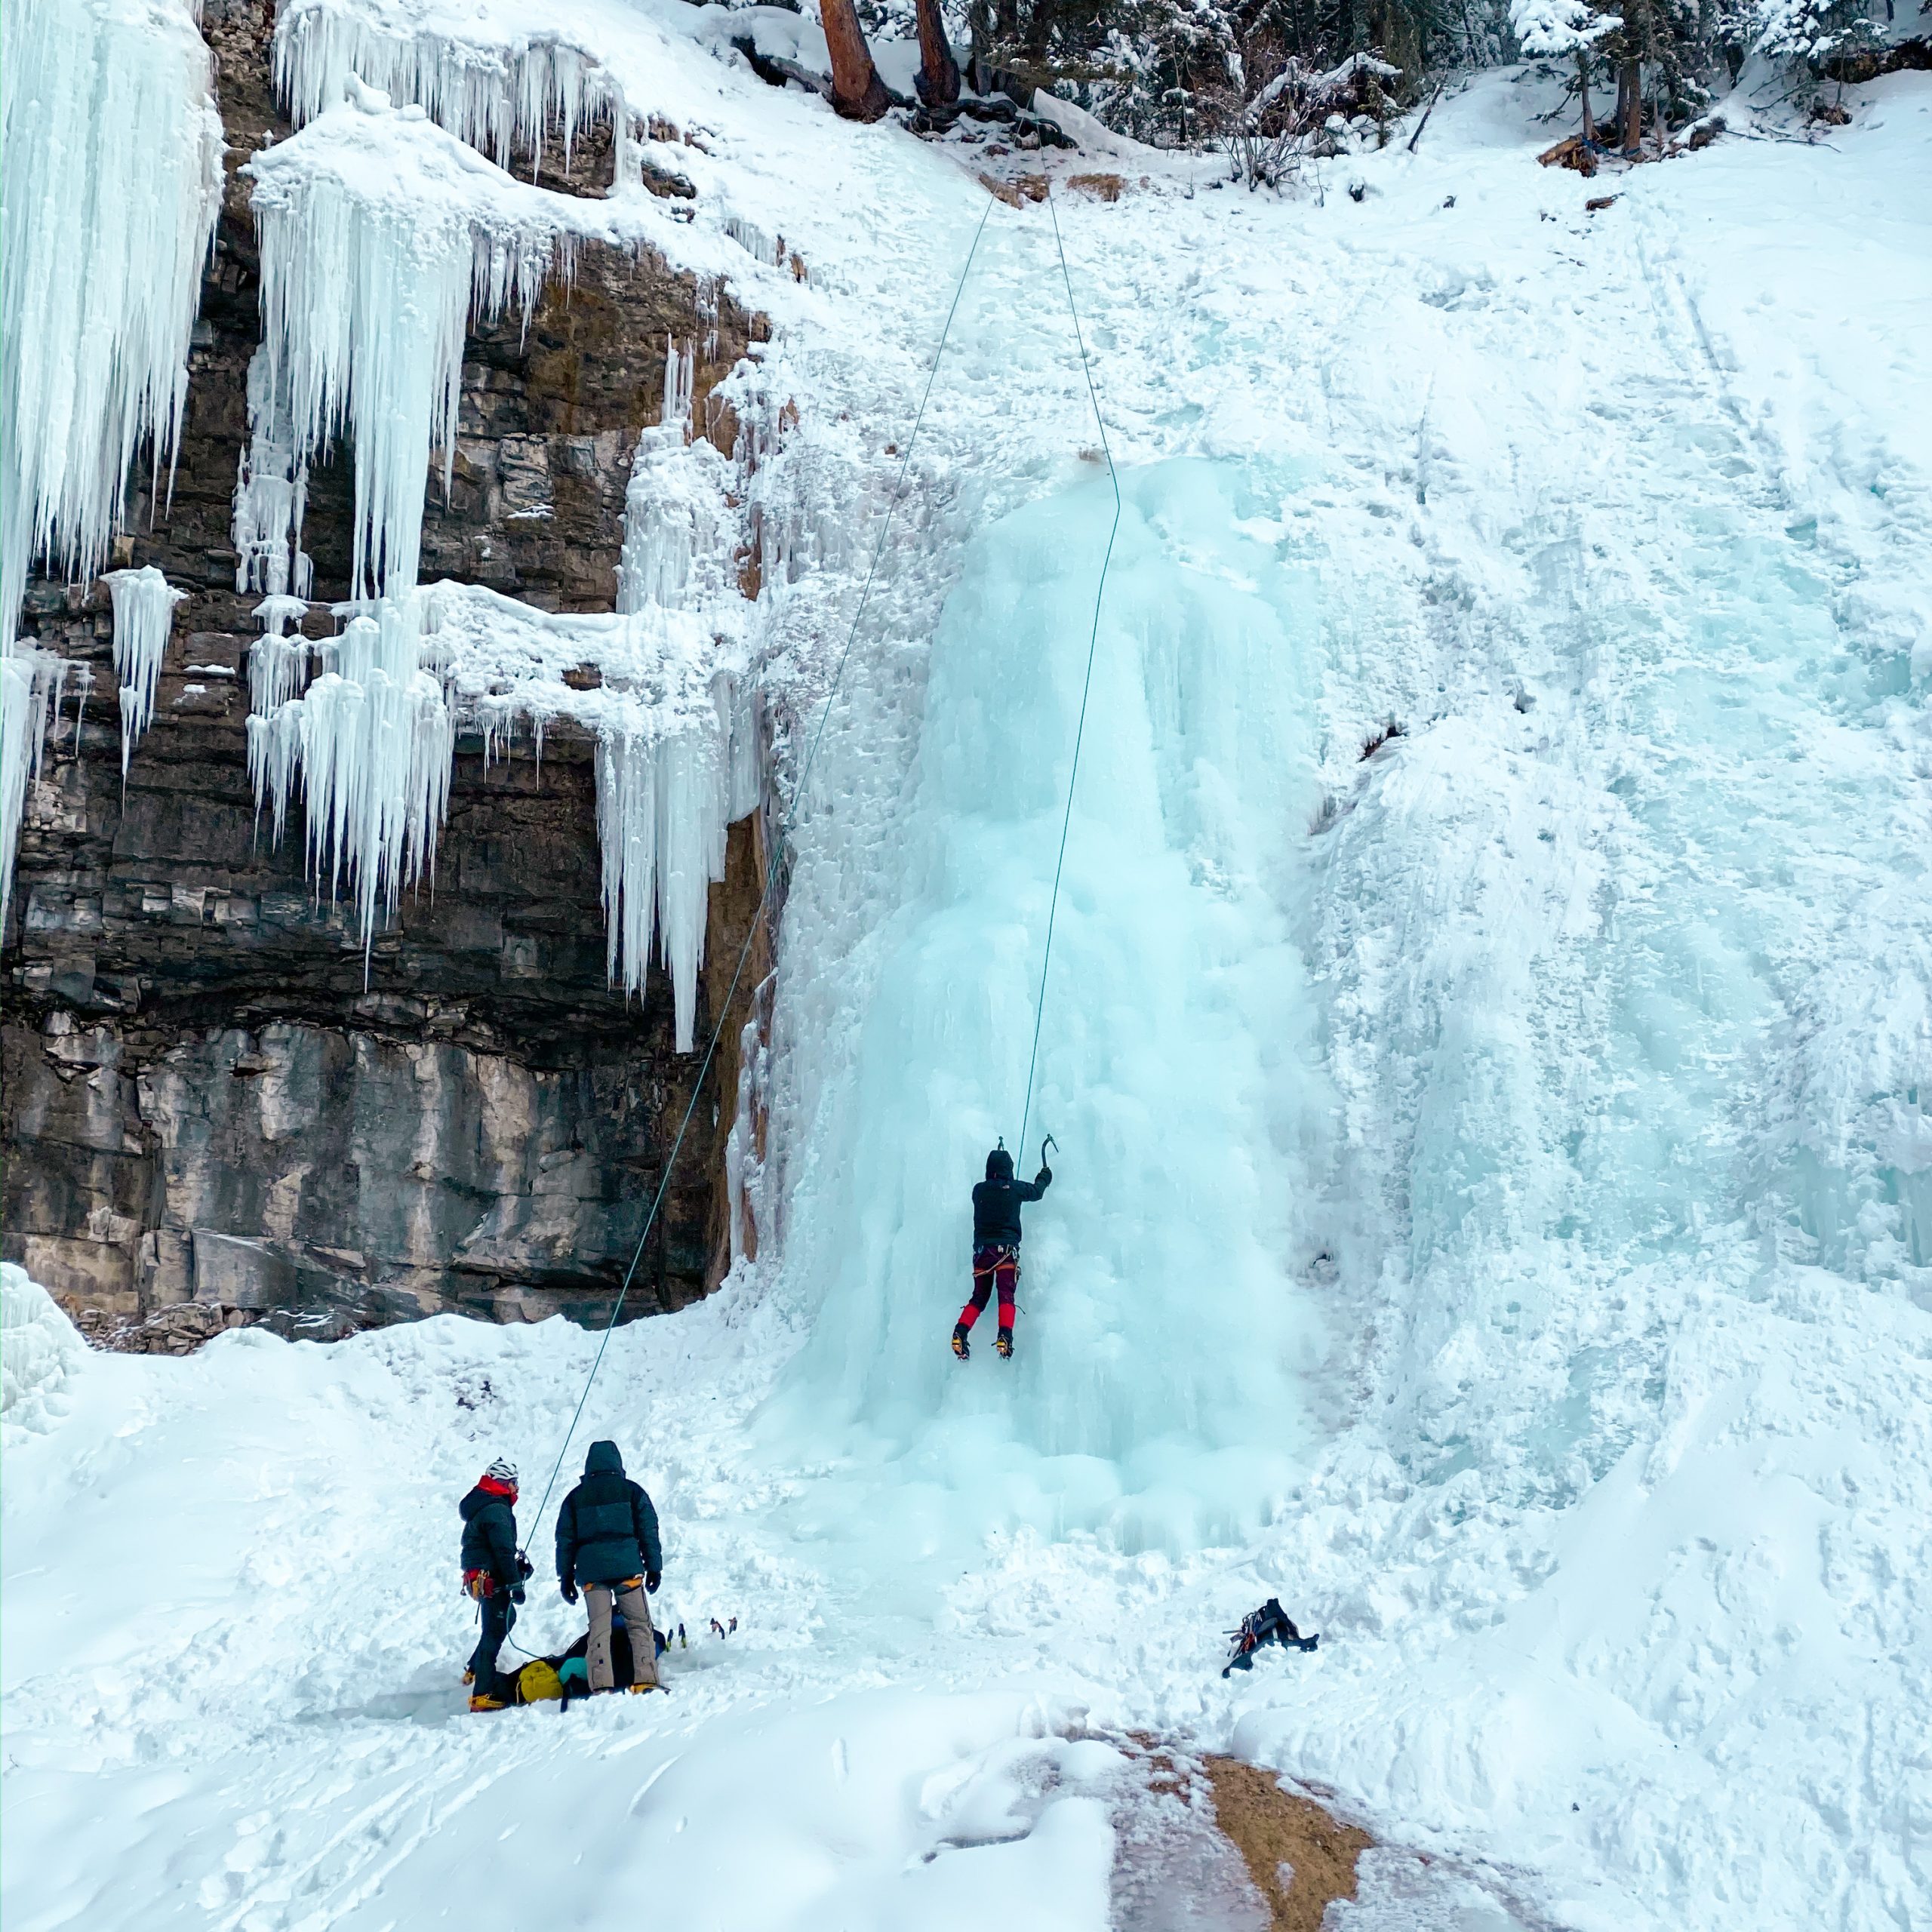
(40, 1352)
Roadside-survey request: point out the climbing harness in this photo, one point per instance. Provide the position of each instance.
(1087, 684)
(777, 853)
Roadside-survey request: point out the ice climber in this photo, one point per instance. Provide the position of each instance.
(494, 1573)
(606, 1541)
(996, 1203)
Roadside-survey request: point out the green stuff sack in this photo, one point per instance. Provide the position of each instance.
(537, 1681)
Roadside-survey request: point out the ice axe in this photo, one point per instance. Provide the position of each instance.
(1049, 1142)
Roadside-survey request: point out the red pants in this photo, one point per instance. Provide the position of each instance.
(992, 1266)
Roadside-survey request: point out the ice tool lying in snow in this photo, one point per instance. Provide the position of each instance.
(1270, 1624)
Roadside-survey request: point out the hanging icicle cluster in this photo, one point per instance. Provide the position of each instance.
(144, 605)
(111, 150)
(373, 740)
(492, 97)
(382, 236)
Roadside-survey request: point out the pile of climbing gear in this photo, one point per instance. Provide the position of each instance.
(1270, 1624)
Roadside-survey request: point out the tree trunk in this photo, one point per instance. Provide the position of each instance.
(1630, 104)
(857, 92)
(939, 73)
(1583, 88)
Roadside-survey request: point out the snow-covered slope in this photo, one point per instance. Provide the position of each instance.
(1491, 1208)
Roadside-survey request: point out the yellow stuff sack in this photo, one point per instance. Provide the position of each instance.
(536, 1681)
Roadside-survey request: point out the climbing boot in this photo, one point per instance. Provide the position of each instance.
(481, 1701)
(1003, 1345)
(469, 1677)
(638, 1690)
(960, 1347)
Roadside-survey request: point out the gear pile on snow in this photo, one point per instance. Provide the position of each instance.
(1270, 1624)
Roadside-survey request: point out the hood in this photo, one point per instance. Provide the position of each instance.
(999, 1165)
(603, 1461)
(480, 1499)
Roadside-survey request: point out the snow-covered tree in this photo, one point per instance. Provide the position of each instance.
(1564, 30)
(1813, 34)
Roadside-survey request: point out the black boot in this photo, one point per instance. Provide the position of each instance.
(1003, 1345)
(960, 1347)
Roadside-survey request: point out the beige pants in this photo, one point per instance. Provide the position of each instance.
(631, 1600)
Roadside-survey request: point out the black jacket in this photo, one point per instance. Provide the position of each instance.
(489, 1536)
(607, 1530)
(996, 1200)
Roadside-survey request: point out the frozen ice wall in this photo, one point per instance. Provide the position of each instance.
(1157, 1386)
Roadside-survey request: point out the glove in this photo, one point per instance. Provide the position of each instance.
(525, 1567)
(516, 1595)
(651, 1581)
(568, 1592)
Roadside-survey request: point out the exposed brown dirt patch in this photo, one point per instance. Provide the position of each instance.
(1272, 1828)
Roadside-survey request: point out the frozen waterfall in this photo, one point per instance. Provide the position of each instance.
(1163, 1391)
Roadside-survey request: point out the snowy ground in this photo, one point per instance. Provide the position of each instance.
(1495, 1197)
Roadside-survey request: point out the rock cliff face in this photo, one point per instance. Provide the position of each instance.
(211, 1093)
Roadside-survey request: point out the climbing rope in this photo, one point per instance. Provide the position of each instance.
(1087, 685)
(771, 870)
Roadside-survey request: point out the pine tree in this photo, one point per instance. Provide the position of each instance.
(1565, 29)
(1813, 35)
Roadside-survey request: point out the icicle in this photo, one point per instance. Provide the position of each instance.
(736, 698)
(680, 535)
(492, 97)
(377, 746)
(755, 242)
(271, 493)
(277, 664)
(144, 605)
(680, 386)
(30, 685)
(112, 158)
(365, 299)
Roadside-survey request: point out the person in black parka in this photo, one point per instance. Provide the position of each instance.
(606, 1541)
(494, 1570)
(996, 1204)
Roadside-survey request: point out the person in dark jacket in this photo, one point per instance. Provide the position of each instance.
(606, 1541)
(494, 1572)
(996, 1204)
